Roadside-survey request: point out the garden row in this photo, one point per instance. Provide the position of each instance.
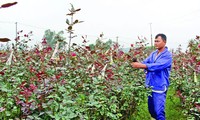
(89, 82)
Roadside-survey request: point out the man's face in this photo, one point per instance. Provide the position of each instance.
(159, 43)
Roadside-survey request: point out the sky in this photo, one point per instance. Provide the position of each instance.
(122, 20)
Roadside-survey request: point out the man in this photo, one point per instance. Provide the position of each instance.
(157, 67)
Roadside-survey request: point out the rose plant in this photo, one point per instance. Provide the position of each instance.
(89, 82)
(93, 83)
(186, 77)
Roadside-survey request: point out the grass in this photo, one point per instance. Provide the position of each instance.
(173, 109)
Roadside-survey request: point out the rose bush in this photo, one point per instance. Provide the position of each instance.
(186, 77)
(86, 82)
(90, 83)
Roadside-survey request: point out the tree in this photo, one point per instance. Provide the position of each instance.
(52, 37)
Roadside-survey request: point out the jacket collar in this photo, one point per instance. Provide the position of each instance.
(165, 50)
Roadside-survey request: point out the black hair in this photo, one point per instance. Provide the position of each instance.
(163, 36)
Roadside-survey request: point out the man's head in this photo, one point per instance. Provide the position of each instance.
(160, 41)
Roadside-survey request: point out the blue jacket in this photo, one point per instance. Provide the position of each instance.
(158, 70)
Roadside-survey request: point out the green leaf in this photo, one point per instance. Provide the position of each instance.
(72, 8)
(67, 21)
(8, 113)
(111, 115)
(57, 117)
(4, 88)
(113, 107)
(68, 101)
(20, 74)
(61, 88)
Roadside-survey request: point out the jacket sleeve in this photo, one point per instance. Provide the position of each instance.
(163, 62)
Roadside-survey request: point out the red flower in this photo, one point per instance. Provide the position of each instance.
(31, 69)
(28, 59)
(32, 87)
(61, 57)
(110, 74)
(137, 52)
(17, 38)
(58, 76)
(37, 51)
(132, 45)
(26, 92)
(25, 35)
(44, 42)
(40, 75)
(47, 49)
(73, 54)
(87, 47)
(120, 53)
(1, 73)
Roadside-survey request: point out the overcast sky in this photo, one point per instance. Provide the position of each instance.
(127, 19)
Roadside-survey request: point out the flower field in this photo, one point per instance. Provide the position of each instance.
(87, 82)
(91, 82)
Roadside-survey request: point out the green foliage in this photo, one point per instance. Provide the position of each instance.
(96, 83)
(52, 37)
(173, 106)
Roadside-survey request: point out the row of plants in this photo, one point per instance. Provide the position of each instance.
(186, 78)
(57, 80)
(92, 82)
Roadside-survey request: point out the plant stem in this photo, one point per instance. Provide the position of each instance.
(70, 36)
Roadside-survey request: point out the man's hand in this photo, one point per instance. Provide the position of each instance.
(138, 65)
